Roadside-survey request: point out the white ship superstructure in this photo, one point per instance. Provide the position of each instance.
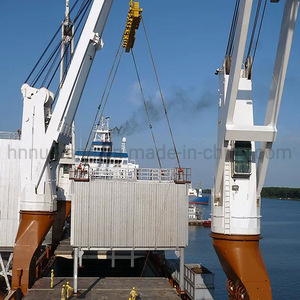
(101, 159)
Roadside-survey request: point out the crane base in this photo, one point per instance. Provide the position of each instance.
(33, 227)
(243, 264)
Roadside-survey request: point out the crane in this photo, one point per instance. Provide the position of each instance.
(45, 131)
(236, 200)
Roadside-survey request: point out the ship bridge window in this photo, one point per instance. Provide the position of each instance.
(66, 169)
(242, 159)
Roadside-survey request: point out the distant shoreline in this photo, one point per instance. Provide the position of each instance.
(281, 193)
(296, 199)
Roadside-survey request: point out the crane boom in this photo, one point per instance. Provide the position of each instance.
(279, 73)
(238, 180)
(40, 137)
(44, 134)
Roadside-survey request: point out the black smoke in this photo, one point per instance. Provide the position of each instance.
(181, 104)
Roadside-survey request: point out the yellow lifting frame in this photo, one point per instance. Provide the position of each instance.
(132, 24)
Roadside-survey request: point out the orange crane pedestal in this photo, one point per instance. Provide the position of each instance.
(243, 265)
(33, 227)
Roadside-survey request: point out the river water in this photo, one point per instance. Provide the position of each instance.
(280, 247)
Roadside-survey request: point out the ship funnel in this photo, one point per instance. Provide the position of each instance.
(123, 144)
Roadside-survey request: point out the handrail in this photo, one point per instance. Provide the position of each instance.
(6, 135)
(182, 175)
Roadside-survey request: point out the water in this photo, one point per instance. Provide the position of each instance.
(280, 247)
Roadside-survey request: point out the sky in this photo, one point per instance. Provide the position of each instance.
(188, 43)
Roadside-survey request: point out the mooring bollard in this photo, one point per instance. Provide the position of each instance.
(68, 290)
(52, 279)
(63, 293)
(133, 294)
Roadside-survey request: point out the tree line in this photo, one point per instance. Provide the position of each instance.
(281, 193)
(274, 192)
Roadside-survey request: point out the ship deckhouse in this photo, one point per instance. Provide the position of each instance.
(101, 155)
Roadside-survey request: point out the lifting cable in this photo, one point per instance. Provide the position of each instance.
(47, 48)
(161, 95)
(82, 9)
(146, 109)
(229, 49)
(254, 27)
(66, 52)
(259, 30)
(102, 98)
(111, 84)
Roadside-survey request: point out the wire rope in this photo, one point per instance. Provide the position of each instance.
(259, 30)
(45, 65)
(50, 70)
(233, 29)
(103, 95)
(85, 7)
(110, 87)
(161, 95)
(254, 27)
(47, 47)
(65, 52)
(84, 10)
(146, 108)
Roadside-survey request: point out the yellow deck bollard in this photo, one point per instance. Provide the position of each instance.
(63, 293)
(68, 290)
(52, 279)
(133, 294)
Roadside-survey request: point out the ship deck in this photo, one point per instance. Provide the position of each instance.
(105, 288)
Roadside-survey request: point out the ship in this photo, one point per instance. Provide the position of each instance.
(195, 195)
(103, 160)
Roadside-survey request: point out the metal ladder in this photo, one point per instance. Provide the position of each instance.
(227, 198)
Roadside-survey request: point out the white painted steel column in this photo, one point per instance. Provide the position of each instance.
(80, 254)
(132, 259)
(4, 273)
(181, 269)
(75, 270)
(279, 74)
(9, 262)
(232, 88)
(113, 259)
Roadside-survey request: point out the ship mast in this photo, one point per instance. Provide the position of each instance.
(67, 48)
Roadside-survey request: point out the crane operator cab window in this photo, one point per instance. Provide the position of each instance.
(242, 159)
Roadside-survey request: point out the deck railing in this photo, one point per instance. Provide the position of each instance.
(6, 135)
(181, 175)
